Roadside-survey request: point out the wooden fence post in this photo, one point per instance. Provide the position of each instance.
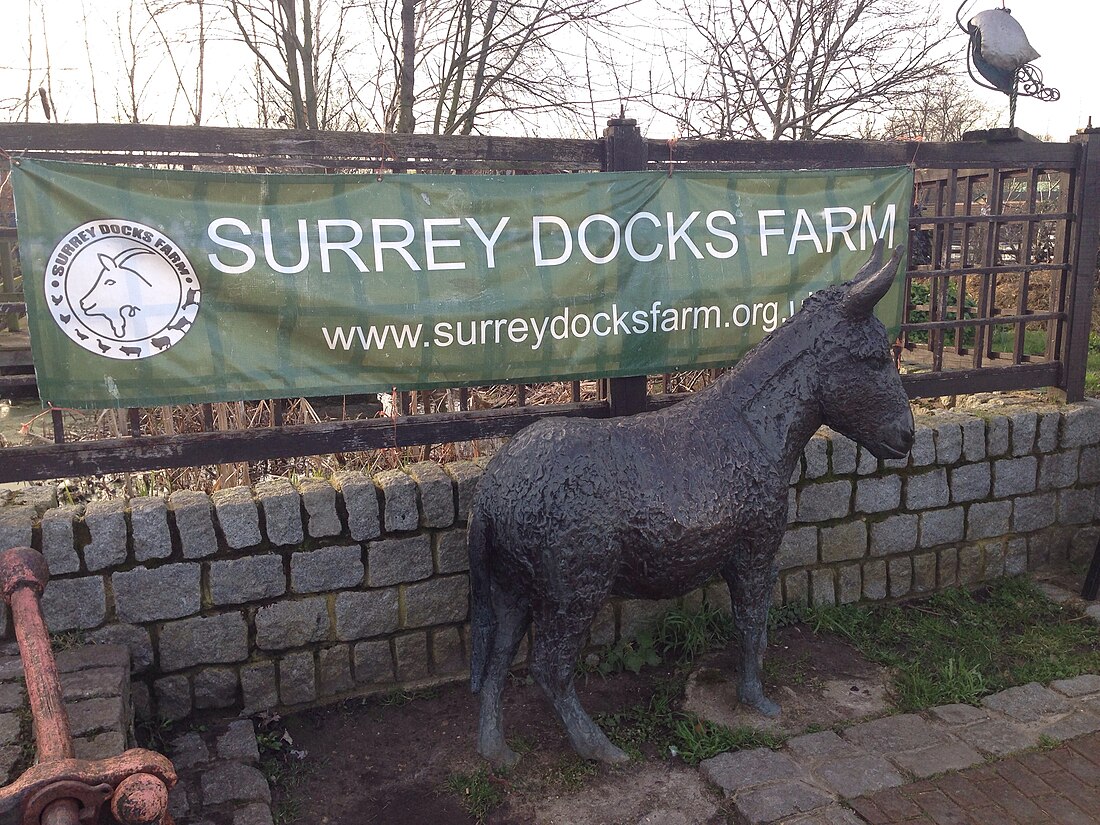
(625, 151)
(1084, 264)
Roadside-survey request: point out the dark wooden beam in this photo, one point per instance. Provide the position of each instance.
(161, 452)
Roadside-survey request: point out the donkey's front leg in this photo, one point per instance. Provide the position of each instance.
(750, 577)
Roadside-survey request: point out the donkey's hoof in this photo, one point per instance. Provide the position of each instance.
(758, 701)
(603, 752)
(499, 756)
(765, 706)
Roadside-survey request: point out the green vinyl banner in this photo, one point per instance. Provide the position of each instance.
(148, 286)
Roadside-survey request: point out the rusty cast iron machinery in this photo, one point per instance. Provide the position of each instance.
(129, 789)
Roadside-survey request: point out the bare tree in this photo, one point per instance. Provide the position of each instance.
(297, 45)
(941, 110)
(132, 40)
(476, 62)
(192, 91)
(773, 69)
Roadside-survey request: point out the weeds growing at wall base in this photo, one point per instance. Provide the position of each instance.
(959, 646)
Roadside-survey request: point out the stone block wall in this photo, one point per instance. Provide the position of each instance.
(95, 687)
(284, 595)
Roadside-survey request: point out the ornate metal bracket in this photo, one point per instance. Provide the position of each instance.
(1026, 81)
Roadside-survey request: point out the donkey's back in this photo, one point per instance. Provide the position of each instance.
(653, 502)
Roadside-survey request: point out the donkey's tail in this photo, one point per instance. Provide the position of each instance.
(482, 625)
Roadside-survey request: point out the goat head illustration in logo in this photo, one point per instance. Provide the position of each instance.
(120, 292)
(121, 289)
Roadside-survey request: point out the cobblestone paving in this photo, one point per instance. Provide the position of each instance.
(895, 769)
(1055, 787)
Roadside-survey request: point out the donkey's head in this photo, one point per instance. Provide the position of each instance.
(861, 394)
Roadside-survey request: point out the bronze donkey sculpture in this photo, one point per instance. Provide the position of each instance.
(573, 511)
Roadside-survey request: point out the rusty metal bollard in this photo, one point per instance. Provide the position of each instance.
(129, 789)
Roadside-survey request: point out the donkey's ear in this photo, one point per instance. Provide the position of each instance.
(871, 284)
(874, 263)
(106, 261)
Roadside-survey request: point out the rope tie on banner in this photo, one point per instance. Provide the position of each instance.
(671, 147)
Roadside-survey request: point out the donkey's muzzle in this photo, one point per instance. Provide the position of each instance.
(896, 441)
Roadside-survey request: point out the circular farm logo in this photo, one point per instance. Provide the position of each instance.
(121, 289)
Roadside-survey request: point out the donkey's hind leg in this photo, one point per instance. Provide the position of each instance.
(512, 615)
(560, 631)
(750, 578)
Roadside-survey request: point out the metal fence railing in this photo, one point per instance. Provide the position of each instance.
(1000, 278)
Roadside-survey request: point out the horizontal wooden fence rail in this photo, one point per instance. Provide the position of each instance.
(1000, 276)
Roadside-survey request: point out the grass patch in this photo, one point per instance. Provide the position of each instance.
(650, 723)
(1092, 367)
(959, 646)
(476, 791)
(571, 772)
(676, 638)
(698, 739)
(284, 767)
(400, 698)
(659, 726)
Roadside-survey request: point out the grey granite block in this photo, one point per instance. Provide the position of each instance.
(58, 543)
(247, 579)
(200, 640)
(987, 519)
(106, 522)
(440, 600)
(170, 591)
(194, 518)
(451, 555)
(927, 490)
(373, 662)
(282, 508)
(798, 548)
(326, 568)
(895, 534)
(436, 494)
(970, 482)
(1033, 512)
(74, 604)
(149, 528)
(292, 623)
(997, 441)
(297, 678)
(361, 614)
(941, 526)
(877, 495)
(238, 517)
(319, 500)
(825, 501)
(400, 511)
(844, 541)
(1024, 426)
(392, 561)
(361, 503)
(1014, 476)
(466, 476)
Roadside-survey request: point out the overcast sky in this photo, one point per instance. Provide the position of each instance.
(1064, 32)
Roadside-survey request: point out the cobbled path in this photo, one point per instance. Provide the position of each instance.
(1056, 787)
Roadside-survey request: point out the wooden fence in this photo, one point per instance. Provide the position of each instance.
(1001, 271)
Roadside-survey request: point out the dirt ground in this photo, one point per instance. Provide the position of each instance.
(389, 760)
